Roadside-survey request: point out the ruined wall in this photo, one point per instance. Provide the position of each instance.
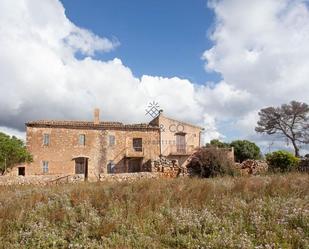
(63, 147)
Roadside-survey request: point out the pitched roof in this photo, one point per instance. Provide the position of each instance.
(155, 121)
(89, 125)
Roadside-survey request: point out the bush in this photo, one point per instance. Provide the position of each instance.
(281, 161)
(217, 143)
(211, 162)
(244, 149)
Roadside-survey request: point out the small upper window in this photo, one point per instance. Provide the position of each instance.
(82, 139)
(46, 139)
(111, 140)
(138, 144)
(45, 166)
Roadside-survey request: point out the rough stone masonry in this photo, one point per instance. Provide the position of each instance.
(93, 148)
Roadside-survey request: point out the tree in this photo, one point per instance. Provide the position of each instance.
(12, 152)
(281, 161)
(217, 143)
(244, 149)
(290, 121)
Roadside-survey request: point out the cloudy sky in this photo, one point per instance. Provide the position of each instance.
(213, 63)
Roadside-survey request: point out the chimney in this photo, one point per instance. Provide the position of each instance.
(96, 116)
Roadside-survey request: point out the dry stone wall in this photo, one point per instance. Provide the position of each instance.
(168, 168)
(39, 180)
(59, 179)
(252, 167)
(129, 176)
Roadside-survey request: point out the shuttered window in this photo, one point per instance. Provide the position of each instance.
(46, 139)
(82, 139)
(45, 166)
(111, 140)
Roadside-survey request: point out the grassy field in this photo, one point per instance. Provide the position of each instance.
(254, 212)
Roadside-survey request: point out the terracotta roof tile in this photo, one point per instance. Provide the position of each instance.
(88, 125)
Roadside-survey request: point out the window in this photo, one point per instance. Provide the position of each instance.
(137, 144)
(46, 139)
(45, 167)
(181, 142)
(82, 139)
(111, 140)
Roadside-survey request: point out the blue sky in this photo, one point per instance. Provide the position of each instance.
(165, 38)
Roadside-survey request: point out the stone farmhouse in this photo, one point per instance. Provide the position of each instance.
(99, 147)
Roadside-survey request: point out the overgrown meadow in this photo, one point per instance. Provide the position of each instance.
(241, 212)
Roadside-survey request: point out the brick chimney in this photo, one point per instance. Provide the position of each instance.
(96, 116)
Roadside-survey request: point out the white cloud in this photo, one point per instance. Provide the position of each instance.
(261, 50)
(261, 47)
(42, 79)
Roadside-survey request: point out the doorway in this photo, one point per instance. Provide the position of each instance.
(81, 166)
(134, 165)
(21, 171)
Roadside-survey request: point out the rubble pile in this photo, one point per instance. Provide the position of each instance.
(168, 168)
(252, 167)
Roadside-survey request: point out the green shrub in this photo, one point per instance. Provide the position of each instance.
(281, 161)
(217, 143)
(244, 149)
(211, 162)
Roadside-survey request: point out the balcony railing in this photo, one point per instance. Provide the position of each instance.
(181, 149)
(134, 152)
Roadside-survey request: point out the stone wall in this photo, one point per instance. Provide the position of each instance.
(167, 168)
(129, 176)
(59, 179)
(39, 179)
(252, 167)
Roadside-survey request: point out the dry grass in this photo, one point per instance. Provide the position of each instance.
(254, 212)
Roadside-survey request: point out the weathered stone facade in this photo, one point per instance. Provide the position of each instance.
(95, 148)
(179, 140)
